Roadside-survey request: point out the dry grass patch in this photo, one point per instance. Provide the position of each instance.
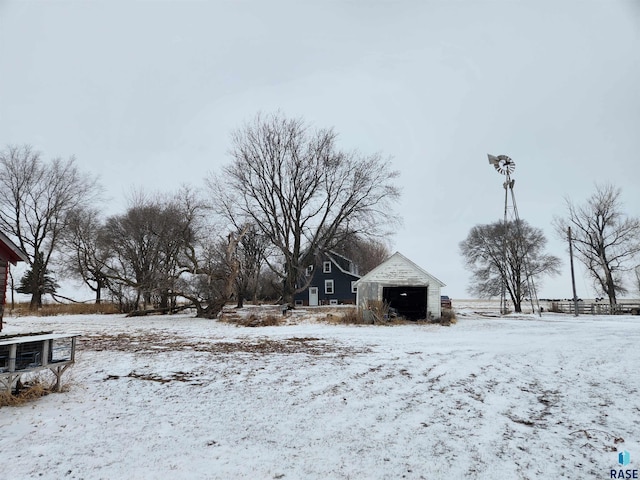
(351, 316)
(78, 309)
(153, 344)
(31, 390)
(253, 320)
(448, 317)
(53, 309)
(378, 314)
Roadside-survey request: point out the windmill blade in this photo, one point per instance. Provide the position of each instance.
(502, 163)
(505, 165)
(493, 160)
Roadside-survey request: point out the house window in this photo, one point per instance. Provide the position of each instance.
(333, 301)
(354, 289)
(309, 270)
(328, 287)
(299, 303)
(326, 267)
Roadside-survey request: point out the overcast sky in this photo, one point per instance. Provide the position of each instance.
(145, 95)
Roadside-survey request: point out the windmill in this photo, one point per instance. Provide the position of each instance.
(504, 165)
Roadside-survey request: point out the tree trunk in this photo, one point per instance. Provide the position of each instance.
(164, 299)
(288, 288)
(611, 291)
(609, 287)
(211, 310)
(36, 292)
(146, 299)
(36, 301)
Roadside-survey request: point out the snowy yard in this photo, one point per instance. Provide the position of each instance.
(179, 397)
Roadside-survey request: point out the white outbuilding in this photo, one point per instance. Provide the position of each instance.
(412, 291)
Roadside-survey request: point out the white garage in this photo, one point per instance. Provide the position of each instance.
(412, 291)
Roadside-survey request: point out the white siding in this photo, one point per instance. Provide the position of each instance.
(433, 302)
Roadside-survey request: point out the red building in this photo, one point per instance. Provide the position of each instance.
(9, 253)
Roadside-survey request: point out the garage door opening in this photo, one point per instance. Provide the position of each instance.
(409, 302)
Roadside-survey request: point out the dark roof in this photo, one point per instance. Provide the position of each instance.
(333, 256)
(11, 251)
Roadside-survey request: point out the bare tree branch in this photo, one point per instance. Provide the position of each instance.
(35, 201)
(484, 253)
(604, 238)
(300, 190)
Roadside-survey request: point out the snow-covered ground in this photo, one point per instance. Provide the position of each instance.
(178, 397)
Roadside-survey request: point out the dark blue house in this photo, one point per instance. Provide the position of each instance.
(329, 281)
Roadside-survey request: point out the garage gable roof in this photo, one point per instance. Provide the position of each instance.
(398, 269)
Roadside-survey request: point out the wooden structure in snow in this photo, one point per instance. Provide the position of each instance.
(31, 353)
(9, 254)
(411, 291)
(623, 307)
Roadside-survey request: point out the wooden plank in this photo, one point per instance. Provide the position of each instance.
(37, 338)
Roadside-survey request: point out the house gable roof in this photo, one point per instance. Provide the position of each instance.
(11, 251)
(398, 269)
(331, 256)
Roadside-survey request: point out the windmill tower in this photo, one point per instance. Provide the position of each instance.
(506, 166)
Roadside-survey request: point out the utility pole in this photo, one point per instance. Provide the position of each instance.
(573, 276)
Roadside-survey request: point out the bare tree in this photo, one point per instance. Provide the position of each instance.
(86, 252)
(35, 200)
(134, 250)
(301, 190)
(366, 253)
(210, 281)
(605, 239)
(149, 246)
(176, 236)
(484, 253)
(251, 252)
